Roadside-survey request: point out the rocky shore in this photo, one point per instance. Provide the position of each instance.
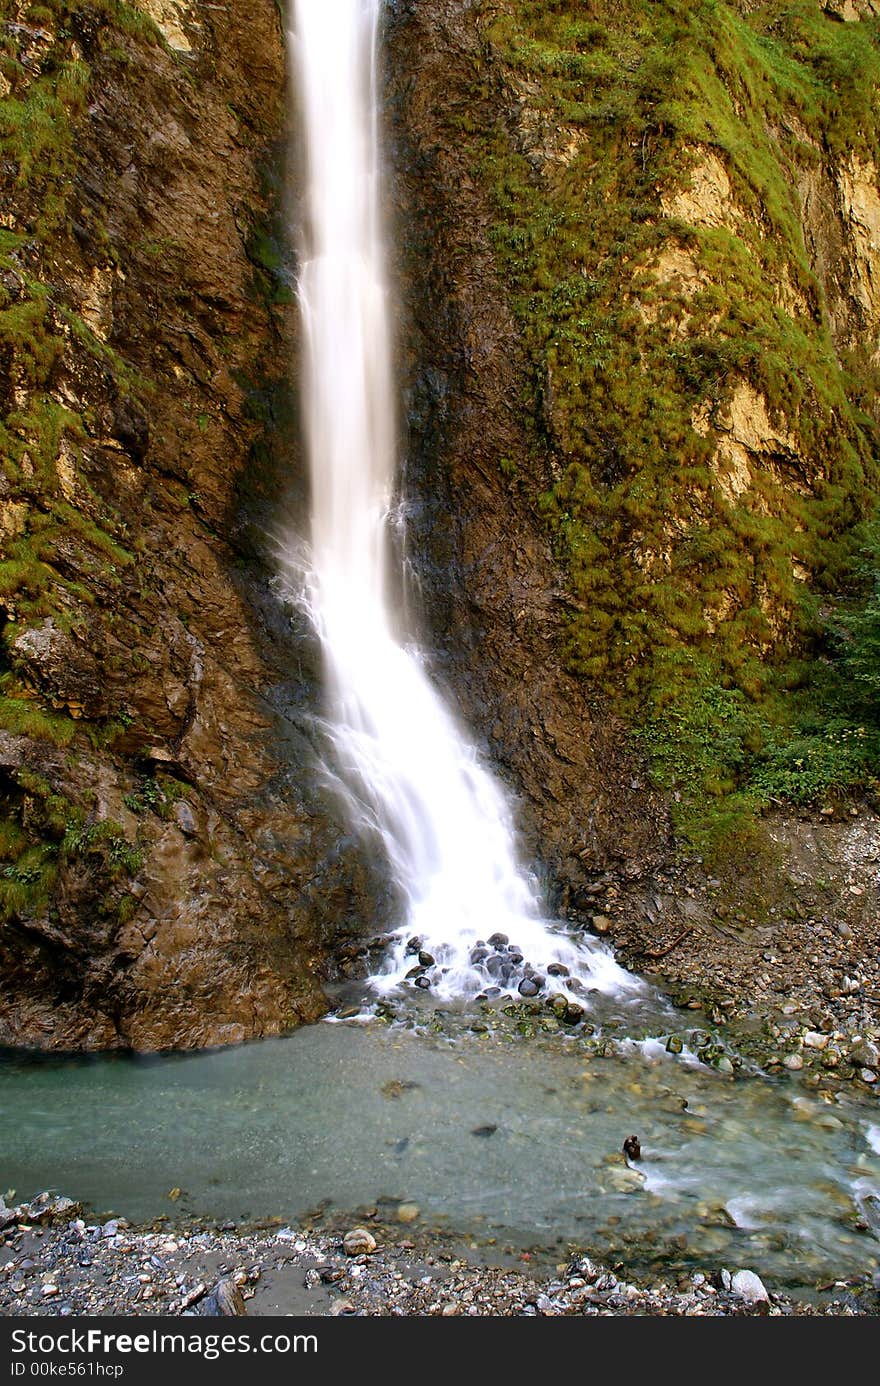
(54, 1260)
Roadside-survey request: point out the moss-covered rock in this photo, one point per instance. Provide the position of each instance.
(686, 214)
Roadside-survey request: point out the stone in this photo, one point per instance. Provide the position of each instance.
(359, 1242)
(408, 1212)
(747, 1286)
(344, 1013)
(498, 940)
(185, 819)
(794, 1062)
(864, 1054)
(814, 1039)
(225, 1300)
(625, 1180)
(601, 924)
(47, 1205)
(426, 959)
(528, 987)
(557, 970)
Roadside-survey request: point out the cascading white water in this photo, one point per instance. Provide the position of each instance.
(409, 773)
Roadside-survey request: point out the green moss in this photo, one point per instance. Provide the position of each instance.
(25, 717)
(43, 834)
(156, 794)
(26, 885)
(679, 584)
(105, 840)
(66, 547)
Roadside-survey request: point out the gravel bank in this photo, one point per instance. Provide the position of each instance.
(54, 1261)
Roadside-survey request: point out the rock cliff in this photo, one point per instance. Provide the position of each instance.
(172, 876)
(638, 249)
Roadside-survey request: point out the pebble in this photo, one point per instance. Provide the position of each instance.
(746, 1285)
(864, 1054)
(408, 1212)
(359, 1242)
(793, 1061)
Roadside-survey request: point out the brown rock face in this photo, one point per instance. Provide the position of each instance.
(194, 876)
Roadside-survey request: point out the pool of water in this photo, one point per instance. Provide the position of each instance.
(489, 1135)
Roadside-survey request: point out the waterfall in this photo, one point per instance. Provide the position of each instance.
(411, 778)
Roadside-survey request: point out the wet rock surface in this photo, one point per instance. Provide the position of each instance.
(208, 873)
(230, 885)
(65, 1265)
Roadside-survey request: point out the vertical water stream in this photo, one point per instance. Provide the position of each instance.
(411, 776)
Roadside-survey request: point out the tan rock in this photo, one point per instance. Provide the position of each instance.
(707, 199)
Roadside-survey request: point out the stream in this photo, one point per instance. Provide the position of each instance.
(502, 1139)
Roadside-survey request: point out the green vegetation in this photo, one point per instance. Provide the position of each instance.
(62, 546)
(701, 604)
(156, 795)
(55, 555)
(43, 833)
